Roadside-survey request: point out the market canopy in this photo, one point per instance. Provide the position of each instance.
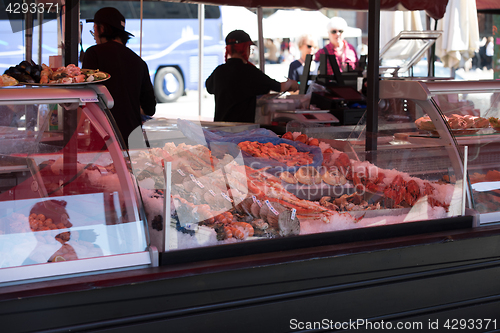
(434, 8)
(488, 6)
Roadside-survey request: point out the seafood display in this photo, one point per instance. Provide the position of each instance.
(494, 123)
(301, 137)
(226, 196)
(6, 80)
(311, 176)
(25, 71)
(394, 189)
(216, 199)
(456, 122)
(283, 153)
(225, 200)
(29, 72)
(70, 74)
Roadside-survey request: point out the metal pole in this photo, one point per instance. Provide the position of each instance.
(429, 52)
(201, 22)
(140, 37)
(71, 26)
(372, 78)
(28, 34)
(261, 39)
(496, 53)
(40, 30)
(464, 180)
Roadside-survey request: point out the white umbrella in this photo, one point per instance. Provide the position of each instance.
(398, 21)
(294, 23)
(235, 17)
(460, 33)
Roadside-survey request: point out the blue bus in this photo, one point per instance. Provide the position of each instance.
(169, 41)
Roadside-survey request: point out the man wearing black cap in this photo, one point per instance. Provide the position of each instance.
(129, 84)
(237, 83)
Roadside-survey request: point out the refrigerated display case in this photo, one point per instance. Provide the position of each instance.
(215, 196)
(459, 114)
(66, 208)
(395, 239)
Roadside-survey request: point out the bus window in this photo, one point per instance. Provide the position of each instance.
(151, 10)
(13, 44)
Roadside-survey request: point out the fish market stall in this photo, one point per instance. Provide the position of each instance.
(210, 229)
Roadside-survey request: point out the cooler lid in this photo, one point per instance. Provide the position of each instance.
(405, 50)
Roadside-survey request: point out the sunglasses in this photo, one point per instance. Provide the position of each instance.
(309, 46)
(333, 32)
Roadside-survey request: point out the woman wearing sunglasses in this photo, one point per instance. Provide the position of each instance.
(307, 45)
(345, 53)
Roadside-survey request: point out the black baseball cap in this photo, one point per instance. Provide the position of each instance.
(237, 37)
(112, 17)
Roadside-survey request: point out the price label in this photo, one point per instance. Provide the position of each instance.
(181, 172)
(271, 208)
(102, 170)
(196, 181)
(257, 201)
(88, 99)
(226, 197)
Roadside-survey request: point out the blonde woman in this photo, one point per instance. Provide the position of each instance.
(346, 55)
(307, 45)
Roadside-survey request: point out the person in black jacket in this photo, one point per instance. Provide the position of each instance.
(129, 84)
(237, 83)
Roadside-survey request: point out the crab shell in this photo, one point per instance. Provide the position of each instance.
(308, 176)
(302, 138)
(287, 136)
(288, 177)
(334, 177)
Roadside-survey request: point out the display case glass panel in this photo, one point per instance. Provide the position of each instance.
(66, 188)
(207, 188)
(464, 115)
(405, 50)
(473, 118)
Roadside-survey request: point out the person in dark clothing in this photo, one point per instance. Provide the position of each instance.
(129, 84)
(237, 83)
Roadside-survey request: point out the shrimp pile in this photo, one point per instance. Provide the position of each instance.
(282, 152)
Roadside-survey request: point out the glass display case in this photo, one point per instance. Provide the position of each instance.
(250, 189)
(68, 201)
(461, 115)
(72, 192)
